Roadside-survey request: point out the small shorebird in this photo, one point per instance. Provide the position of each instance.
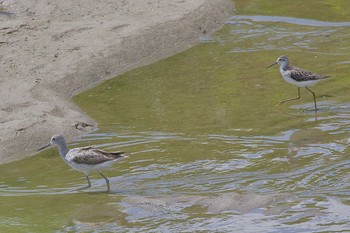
(85, 159)
(298, 77)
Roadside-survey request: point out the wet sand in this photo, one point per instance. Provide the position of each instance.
(51, 51)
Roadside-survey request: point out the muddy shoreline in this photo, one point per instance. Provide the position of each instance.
(51, 51)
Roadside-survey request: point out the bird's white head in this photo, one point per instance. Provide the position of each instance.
(282, 60)
(56, 139)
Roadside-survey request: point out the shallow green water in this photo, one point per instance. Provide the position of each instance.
(209, 150)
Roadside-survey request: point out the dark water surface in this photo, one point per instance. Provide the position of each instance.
(209, 149)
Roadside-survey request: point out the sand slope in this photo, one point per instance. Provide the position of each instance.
(51, 50)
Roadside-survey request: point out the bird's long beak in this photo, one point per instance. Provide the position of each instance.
(271, 65)
(44, 146)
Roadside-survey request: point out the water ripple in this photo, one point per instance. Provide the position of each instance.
(291, 20)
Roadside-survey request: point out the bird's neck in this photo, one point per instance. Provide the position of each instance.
(284, 66)
(63, 149)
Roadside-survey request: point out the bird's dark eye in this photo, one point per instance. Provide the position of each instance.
(53, 139)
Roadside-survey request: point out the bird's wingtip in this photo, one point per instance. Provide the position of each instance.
(123, 154)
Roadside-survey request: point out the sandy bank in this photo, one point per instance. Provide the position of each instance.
(52, 50)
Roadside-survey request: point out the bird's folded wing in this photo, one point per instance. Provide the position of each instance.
(91, 155)
(304, 75)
